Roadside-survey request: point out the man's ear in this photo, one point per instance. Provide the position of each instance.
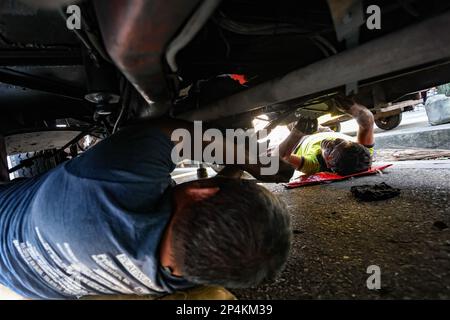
(199, 193)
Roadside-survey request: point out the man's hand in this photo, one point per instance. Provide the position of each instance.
(231, 171)
(284, 173)
(304, 126)
(307, 125)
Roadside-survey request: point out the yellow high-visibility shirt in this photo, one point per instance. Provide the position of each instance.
(310, 148)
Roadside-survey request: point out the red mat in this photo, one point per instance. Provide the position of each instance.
(327, 177)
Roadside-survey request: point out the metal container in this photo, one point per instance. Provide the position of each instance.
(438, 109)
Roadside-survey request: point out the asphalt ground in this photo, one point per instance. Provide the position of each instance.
(337, 237)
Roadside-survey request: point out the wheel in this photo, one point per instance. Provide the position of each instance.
(44, 163)
(389, 123)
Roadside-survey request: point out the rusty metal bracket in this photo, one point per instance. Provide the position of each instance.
(348, 16)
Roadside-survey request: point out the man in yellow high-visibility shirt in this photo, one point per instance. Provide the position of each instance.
(311, 152)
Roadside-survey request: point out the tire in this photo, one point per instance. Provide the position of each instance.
(40, 165)
(389, 123)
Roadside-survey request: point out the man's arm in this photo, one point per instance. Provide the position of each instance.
(168, 126)
(304, 127)
(363, 117)
(287, 147)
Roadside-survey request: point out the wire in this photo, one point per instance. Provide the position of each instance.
(126, 94)
(227, 45)
(119, 118)
(321, 47)
(258, 29)
(326, 43)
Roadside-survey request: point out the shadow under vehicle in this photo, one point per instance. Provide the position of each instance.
(221, 62)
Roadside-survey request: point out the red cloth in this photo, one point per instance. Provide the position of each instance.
(323, 177)
(242, 79)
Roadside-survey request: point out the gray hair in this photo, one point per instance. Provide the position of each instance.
(237, 238)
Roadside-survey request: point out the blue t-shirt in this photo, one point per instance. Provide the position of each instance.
(92, 225)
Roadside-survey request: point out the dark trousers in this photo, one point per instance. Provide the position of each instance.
(4, 175)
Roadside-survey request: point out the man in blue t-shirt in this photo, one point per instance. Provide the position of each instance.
(111, 222)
